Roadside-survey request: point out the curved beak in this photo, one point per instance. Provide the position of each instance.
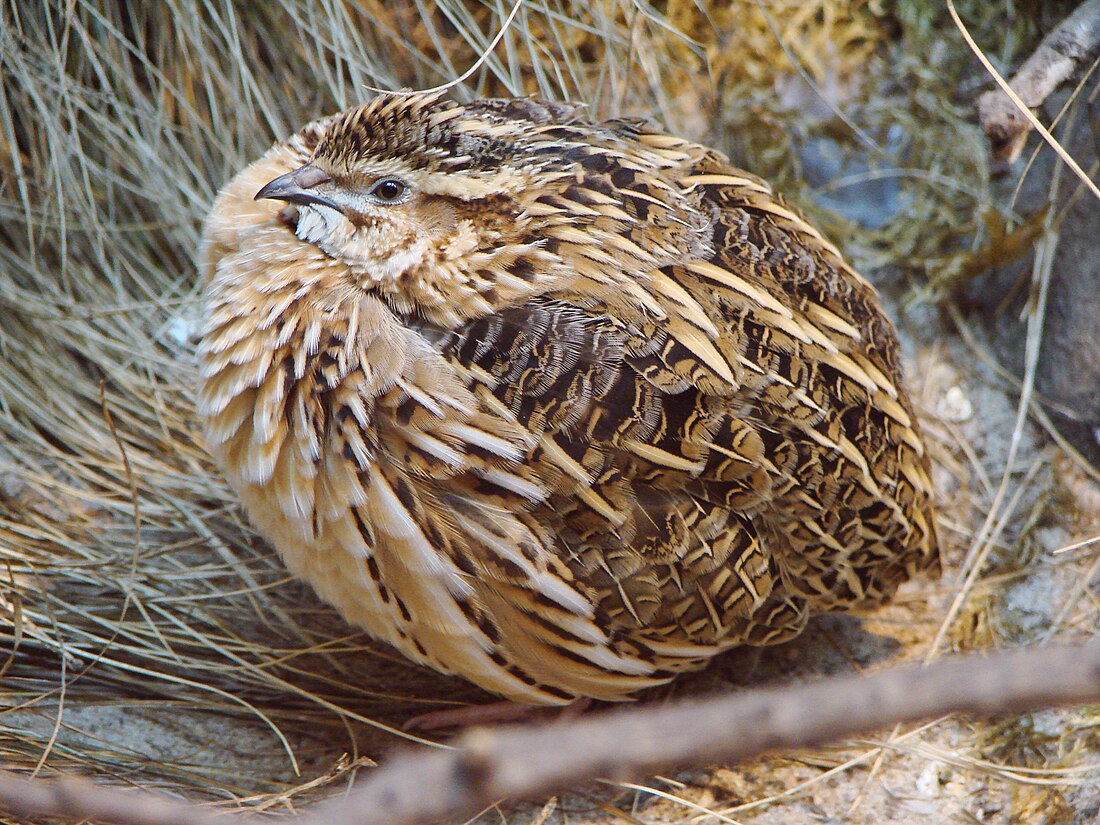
(297, 187)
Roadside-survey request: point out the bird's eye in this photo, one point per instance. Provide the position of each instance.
(389, 190)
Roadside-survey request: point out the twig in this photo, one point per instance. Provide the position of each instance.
(73, 800)
(1075, 41)
(487, 766)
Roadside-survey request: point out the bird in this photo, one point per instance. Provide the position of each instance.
(563, 406)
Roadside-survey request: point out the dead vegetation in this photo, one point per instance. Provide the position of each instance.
(147, 636)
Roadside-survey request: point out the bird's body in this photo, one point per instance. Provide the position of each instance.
(562, 407)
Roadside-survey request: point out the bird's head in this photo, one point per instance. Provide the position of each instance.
(424, 199)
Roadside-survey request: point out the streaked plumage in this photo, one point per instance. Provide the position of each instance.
(577, 408)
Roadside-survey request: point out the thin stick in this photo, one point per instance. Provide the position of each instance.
(73, 800)
(1074, 42)
(488, 766)
(1024, 110)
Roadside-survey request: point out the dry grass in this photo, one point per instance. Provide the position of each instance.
(155, 640)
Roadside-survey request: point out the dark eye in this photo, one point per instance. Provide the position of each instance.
(389, 190)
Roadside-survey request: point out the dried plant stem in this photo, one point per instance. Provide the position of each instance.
(487, 765)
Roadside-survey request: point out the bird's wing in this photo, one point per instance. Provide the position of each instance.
(631, 463)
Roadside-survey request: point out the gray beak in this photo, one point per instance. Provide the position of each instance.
(297, 187)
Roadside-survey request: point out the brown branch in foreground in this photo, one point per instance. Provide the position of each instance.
(1075, 41)
(70, 799)
(486, 766)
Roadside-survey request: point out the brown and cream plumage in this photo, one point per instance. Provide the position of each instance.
(563, 407)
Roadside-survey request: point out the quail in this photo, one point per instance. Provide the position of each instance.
(565, 407)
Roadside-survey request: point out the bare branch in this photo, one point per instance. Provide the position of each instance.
(513, 764)
(73, 800)
(487, 765)
(1075, 41)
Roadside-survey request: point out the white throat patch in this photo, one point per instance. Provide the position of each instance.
(360, 250)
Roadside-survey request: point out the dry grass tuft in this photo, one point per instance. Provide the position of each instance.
(148, 636)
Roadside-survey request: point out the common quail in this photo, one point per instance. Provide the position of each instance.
(565, 407)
